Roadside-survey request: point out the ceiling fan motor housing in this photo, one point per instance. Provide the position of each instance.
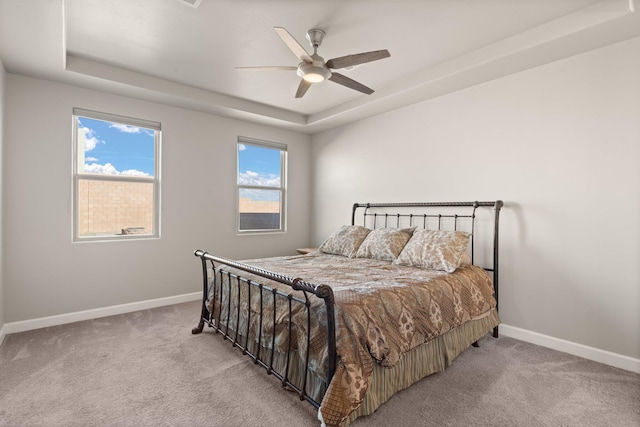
(315, 37)
(315, 71)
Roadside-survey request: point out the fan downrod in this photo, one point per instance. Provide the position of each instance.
(315, 37)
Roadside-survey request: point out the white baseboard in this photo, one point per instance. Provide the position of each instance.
(44, 322)
(2, 334)
(591, 353)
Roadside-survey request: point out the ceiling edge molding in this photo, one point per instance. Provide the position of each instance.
(587, 29)
(182, 95)
(63, 13)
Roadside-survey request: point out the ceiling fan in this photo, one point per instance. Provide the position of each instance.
(314, 69)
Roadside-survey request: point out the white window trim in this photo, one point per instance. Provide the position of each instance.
(282, 188)
(147, 124)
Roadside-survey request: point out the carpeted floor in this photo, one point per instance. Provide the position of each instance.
(146, 368)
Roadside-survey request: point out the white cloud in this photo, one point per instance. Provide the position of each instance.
(91, 159)
(90, 140)
(242, 147)
(255, 178)
(125, 128)
(134, 172)
(109, 169)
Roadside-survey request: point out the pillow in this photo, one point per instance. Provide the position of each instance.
(345, 240)
(385, 243)
(465, 259)
(436, 250)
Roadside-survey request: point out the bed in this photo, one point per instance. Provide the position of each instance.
(383, 302)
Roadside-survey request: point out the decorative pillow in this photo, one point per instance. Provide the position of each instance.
(465, 259)
(385, 243)
(345, 241)
(436, 250)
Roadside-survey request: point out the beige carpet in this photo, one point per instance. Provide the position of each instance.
(145, 368)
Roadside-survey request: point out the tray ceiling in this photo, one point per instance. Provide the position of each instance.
(172, 52)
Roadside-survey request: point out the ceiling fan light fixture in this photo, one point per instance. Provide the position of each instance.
(313, 77)
(313, 73)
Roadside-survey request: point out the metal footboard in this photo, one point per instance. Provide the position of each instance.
(223, 320)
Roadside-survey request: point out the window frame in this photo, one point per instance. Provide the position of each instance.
(77, 177)
(282, 188)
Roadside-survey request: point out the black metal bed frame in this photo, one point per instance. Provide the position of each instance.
(306, 289)
(321, 291)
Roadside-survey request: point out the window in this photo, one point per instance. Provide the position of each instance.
(116, 182)
(261, 185)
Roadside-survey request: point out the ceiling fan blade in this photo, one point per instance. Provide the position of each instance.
(350, 83)
(293, 44)
(357, 58)
(268, 68)
(302, 88)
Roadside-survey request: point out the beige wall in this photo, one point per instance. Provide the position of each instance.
(46, 274)
(560, 144)
(108, 207)
(2, 114)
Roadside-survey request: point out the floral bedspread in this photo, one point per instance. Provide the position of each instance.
(382, 311)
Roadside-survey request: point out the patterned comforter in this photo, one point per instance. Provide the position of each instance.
(382, 312)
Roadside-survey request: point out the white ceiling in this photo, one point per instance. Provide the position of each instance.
(168, 51)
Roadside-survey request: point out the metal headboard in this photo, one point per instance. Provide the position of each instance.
(455, 213)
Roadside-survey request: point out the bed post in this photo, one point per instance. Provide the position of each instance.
(498, 205)
(353, 213)
(204, 313)
(326, 293)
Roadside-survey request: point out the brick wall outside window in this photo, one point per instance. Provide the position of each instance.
(258, 206)
(109, 207)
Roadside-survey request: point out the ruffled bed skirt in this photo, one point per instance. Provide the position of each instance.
(431, 357)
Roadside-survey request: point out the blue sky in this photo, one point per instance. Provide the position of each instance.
(258, 165)
(117, 149)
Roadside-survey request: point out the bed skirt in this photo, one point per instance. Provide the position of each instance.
(429, 358)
